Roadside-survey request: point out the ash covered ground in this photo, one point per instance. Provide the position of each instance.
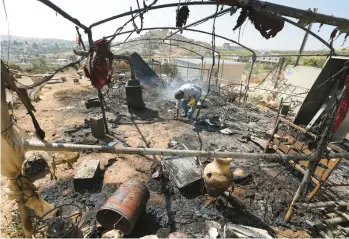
(266, 193)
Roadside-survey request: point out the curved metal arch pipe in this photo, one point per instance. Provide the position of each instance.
(149, 9)
(160, 39)
(165, 44)
(192, 30)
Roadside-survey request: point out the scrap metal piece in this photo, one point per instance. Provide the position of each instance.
(183, 171)
(124, 207)
(65, 223)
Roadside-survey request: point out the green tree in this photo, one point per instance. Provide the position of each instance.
(40, 65)
(35, 46)
(170, 70)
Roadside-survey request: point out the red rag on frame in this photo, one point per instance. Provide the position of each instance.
(100, 68)
(343, 107)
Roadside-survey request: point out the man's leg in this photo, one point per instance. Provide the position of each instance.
(185, 107)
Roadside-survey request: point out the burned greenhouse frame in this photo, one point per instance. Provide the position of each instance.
(263, 7)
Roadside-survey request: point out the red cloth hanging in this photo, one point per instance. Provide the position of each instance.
(100, 69)
(343, 106)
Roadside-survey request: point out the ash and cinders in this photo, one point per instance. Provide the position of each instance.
(266, 194)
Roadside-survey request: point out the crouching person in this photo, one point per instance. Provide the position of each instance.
(187, 95)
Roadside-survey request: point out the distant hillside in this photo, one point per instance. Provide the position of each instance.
(35, 39)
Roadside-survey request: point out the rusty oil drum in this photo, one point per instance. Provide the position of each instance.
(122, 210)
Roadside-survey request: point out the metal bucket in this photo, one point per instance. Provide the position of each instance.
(134, 95)
(123, 208)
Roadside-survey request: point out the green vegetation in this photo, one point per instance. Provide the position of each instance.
(314, 62)
(40, 65)
(170, 70)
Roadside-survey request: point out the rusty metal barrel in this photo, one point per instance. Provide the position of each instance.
(123, 209)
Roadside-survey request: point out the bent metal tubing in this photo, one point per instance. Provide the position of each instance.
(30, 145)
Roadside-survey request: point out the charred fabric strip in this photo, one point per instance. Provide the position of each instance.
(268, 25)
(101, 64)
(182, 16)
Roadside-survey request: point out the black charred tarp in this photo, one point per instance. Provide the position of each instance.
(143, 71)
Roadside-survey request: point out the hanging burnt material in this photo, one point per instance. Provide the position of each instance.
(242, 18)
(101, 64)
(268, 25)
(182, 16)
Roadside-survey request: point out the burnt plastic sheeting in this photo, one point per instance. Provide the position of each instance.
(143, 71)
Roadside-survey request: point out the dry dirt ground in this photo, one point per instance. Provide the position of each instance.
(61, 107)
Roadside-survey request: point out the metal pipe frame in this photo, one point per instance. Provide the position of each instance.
(161, 39)
(255, 87)
(249, 77)
(311, 33)
(64, 14)
(263, 6)
(129, 60)
(31, 145)
(192, 30)
(149, 9)
(285, 55)
(217, 14)
(162, 43)
(266, 7)
(273, 8)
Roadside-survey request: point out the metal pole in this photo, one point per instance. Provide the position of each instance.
(279, 74)
(277, 117)
(192, 30)
(222, 70)
(46, 146)
(240, 91)
(305, 39)
(249, 77)
(64, 14)
(202, 71)
(272, 8)
(100, 94)
(188, 70)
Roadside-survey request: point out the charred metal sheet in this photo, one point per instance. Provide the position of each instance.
(142, 69)
(320, 90)
(183, 171)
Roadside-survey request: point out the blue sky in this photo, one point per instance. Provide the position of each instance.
(31, 18)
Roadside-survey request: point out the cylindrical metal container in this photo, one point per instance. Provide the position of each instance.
(123, 208)
(134, 95)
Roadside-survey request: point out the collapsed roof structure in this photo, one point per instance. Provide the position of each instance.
(268, 19)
